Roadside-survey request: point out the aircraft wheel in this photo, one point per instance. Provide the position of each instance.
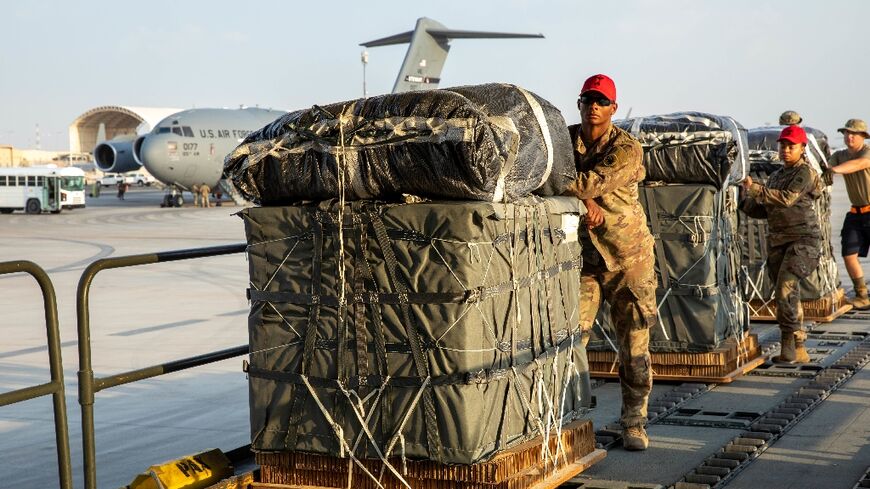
(33, 207)
(179, 201)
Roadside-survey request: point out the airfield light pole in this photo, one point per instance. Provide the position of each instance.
(364, 58)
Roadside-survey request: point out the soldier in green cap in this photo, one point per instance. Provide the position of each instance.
(853, 162)
(790, 118)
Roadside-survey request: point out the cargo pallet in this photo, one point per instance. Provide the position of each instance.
(719, 366)
(822, 310)
(521, 467)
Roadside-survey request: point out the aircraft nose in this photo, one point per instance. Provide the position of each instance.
(153, 154)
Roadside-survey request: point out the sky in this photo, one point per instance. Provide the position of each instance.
(750, 59)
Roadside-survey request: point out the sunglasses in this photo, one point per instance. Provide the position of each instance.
(594, 99)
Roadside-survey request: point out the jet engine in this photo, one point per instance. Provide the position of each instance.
(137, 148)
(115, 156)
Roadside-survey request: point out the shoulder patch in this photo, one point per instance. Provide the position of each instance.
(803, 177)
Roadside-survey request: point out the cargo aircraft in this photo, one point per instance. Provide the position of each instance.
(188, 148)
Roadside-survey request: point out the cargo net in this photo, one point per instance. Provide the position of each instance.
(824, 281)
(445, 331)
(696, 265)
(692, 160)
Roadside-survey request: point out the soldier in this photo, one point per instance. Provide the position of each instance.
(794, 238)
(204, 190)
(818, 139)
(853, 162)
(790, 118)
(617, 246)
(195, 191)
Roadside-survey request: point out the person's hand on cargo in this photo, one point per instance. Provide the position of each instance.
(828, 176)
(594, 216)
(747, 182)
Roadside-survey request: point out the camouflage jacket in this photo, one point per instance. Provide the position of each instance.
(609, 172)
(787, 202)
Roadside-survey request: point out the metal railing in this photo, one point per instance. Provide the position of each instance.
(56, 387)
(90, 385)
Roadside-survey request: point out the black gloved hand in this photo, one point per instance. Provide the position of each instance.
(828, 177)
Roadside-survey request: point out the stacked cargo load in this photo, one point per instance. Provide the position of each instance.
(692, 161)
(822, 297)
(493, 142)
(395, 329)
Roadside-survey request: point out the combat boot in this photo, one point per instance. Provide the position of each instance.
(787, 352)
(635, 438)
(792, 349)
(861, 301)
(800, 349)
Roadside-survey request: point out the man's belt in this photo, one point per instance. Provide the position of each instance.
(860, 209)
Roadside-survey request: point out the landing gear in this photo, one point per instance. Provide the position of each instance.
(172, 198)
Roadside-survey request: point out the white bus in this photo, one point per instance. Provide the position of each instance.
(37, 189)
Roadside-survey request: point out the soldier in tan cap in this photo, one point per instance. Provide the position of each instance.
(815, 137)
(853, 163)
(790, 118)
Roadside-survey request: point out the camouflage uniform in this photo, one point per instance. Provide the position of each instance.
(794, 239)
(204, 190)
(618, 259)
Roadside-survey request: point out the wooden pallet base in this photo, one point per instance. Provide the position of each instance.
(822, 310)
(521, 467)
(552, 481)
(719, 366)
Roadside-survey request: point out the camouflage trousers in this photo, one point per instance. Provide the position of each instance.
(787, 265)
(631, 294)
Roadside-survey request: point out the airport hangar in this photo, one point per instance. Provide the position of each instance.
(108, 122)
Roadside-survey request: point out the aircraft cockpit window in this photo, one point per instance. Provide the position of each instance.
(177, 130)
(163, 130)
(188, 132)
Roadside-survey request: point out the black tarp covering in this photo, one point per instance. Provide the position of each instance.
(492, 142)
(696, 264)
(459, 327)
(764, 160)
(690, 147)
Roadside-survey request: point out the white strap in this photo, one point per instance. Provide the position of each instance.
(545, 132)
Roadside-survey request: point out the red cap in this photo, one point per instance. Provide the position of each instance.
(793, 134)
(601, 84)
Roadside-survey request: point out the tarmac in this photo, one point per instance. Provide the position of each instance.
(146, 315)
(140, 316)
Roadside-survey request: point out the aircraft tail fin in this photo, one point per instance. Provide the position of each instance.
(427, 52)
